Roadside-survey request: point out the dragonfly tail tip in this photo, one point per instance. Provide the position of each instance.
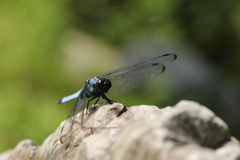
(59, 101)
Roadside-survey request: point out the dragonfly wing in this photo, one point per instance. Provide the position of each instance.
(163, 59)
(127, 79)
(67, 128)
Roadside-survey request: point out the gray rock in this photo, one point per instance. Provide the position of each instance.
(186, 131)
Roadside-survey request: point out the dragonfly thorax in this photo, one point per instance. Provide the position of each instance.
(96, 87)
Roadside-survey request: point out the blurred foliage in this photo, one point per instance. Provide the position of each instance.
(30, 65)
(119, 21)
(29, 73)
(213, 27)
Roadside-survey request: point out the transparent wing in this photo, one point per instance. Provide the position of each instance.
(66, 131)
(127, 79)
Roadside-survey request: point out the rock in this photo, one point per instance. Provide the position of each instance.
(25, 149)
(186, 131)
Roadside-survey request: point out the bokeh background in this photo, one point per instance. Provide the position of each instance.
(49, 48)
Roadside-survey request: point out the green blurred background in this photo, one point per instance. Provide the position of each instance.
(49, 48)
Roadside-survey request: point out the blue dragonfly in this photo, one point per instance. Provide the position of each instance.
(115, 83)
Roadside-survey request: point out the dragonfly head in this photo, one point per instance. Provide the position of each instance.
(104, 85)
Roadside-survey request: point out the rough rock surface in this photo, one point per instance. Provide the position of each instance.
(186, 131)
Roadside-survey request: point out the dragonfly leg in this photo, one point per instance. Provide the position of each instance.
(108, 100)
(96, 101)
(92, 98)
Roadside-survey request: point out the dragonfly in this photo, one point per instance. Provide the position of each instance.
(115, 83)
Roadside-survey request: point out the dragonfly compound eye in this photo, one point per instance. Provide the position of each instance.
(104, 85)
